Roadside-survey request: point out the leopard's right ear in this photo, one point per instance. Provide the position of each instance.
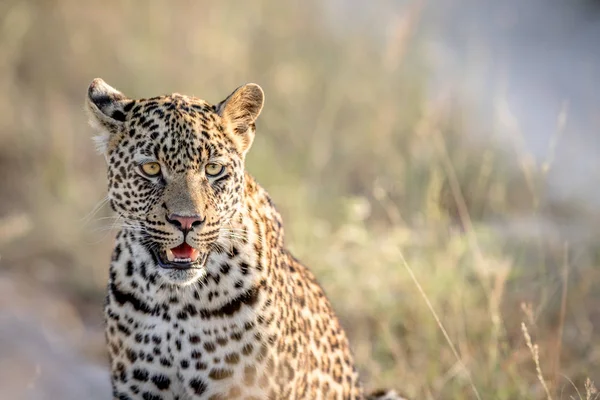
(107, 109)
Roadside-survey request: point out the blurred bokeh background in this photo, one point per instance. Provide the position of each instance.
(428, 157)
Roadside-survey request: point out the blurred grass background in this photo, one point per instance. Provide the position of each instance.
(376, 178)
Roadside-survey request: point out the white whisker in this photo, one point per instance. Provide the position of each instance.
(90, 215)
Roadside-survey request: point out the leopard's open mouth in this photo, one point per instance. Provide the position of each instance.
(181, 257)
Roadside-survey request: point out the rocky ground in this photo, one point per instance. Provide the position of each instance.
(47, 352)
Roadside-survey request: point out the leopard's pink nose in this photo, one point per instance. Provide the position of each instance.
(185, 223)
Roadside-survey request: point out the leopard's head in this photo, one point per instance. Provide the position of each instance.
(175, 169)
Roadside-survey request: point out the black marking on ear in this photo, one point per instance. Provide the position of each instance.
(128, 106)
(100, 100)
(118, 115)
(109, 102)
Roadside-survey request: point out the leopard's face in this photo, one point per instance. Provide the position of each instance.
(176, 180)
(175, 170)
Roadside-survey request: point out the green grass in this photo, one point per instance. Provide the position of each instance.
(385, 195)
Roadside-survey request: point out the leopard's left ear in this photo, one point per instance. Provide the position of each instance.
(239, 111)
(107, 110)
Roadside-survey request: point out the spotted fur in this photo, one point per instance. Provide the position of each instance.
(249, 321)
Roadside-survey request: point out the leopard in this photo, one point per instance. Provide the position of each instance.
(204, 301)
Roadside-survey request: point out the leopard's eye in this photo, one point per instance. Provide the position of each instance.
(151, 168)
(214, 169)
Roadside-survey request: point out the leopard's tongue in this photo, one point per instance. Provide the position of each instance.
(183, 252)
